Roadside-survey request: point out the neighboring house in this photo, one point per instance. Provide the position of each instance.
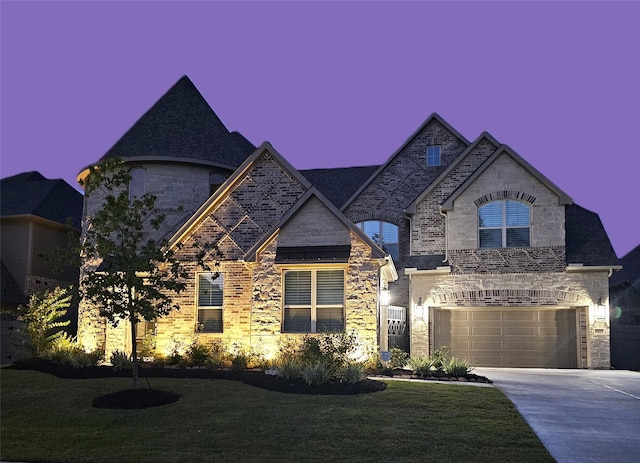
(36, 216)
(479, 251)
(624, 287)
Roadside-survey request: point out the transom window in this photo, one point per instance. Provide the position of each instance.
(504, 223)
(313, 301)
(136, 184)
(210, 297)
(384, 234)
(433, 155)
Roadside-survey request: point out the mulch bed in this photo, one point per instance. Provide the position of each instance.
(148, 397)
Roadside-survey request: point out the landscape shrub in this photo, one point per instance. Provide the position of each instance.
(421, 365)
(290, 369)
(147, 347)
(120, 361)
(441, 357)
(399, 358)
(219, 356)
(198, 354)
(81, 359)
(458, 367)
(354, 373)
(317, 373)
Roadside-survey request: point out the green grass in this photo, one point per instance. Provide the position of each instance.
(49, 419)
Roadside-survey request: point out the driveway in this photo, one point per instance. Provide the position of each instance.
(580, 416)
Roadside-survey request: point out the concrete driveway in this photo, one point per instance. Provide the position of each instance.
(580, 416)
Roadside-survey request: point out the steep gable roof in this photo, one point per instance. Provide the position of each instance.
(563, 198)
(30, 193)
(182, 126)
(587, 242)
(235, 179)
(630, 269)
(313, 192)
(431, 118)
(340, 183)
(484, 136)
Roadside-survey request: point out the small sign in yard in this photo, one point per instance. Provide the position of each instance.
(385, 356)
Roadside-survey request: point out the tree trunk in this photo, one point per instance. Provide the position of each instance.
(134, 351)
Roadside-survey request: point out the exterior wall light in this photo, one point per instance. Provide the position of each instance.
(601, 310)
(419, 309)
(385, 297)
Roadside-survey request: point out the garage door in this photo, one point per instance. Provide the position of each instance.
(509, 337)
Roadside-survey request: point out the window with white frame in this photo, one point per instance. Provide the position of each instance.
(504, 223)
(313, 301)
(433, 155)
(210, 297)
(384, 234)
(136, 184)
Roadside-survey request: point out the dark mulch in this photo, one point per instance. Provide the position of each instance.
(252, 378)
(135, 399)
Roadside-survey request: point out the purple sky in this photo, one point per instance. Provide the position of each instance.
(338, 84)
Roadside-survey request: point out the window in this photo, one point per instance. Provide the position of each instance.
(313, 301)
(504, 223)
(210, 295)
(433, 155)
(136, 185)
(384, 234)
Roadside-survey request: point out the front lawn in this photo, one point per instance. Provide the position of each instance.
(47, 419)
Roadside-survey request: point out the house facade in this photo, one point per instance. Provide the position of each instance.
(36, 216)
(477, 250)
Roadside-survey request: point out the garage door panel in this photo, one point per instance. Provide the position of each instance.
(521, 331)
(520, 316)
(509, 336)
(486, 330)
(489, 315)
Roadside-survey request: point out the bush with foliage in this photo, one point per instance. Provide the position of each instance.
(81, 359)
(41, 318)
(198, 354)
(421, 365)
(148, 347)
(315, 374)
(399, 358)
(441, 357)
(457, 367)
(354, 373)
(120, 361)
(290, 369)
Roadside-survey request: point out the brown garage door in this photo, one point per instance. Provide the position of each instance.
(509, 337)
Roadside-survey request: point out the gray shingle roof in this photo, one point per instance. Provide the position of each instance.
(340, 183)
(181, 124)
(630, 269)
(586, 239)
(428, 262)
(30, 193)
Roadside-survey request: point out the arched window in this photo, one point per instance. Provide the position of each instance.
(504, 223)
(136, 185)
(384, 234)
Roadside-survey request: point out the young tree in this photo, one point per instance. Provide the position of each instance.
(138, 274)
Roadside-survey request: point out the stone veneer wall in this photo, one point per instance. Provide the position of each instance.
(562, 290)
(547, 216)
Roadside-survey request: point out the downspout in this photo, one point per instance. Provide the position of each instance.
(446, 234)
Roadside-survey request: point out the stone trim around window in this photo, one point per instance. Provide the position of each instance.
(505, 194)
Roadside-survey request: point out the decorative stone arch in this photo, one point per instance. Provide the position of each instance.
(505, 194)
(507, 297)
(378, 215)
